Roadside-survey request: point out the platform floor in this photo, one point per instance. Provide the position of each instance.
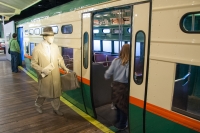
(17, 110)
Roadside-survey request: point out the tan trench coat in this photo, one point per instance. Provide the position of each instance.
(49, 86)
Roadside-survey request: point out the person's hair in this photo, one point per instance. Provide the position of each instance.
(14, 35)
(124, 53)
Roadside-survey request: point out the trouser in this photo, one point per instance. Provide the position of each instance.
(14, 61)
(121, 118)
(55, 102)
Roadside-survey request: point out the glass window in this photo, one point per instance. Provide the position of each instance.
(32, 46)
(116, 46)
(139, 57)
(190, 23)
(31, 32)
(186, 97)
(37, 31)
(26, 32)
(55, 29)
(107, 46)
(67, 54)
(97, 45)
(67, 29)
(85, 49)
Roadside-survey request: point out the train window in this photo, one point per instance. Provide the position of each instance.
(31, 32)
(139, 57)
(85, 49)
(116, 46)
(186, 97)
(67, 29)
(97, 45)
(37, 31)
(190, 23)
(55, 29)
(67, 54)
(26, 32)
(107, 46)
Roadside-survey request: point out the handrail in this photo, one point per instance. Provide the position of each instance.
(187, 75)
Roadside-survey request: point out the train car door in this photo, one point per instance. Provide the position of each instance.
(85, 63)
(139, 66)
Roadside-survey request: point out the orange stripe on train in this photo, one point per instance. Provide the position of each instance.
(175, 117)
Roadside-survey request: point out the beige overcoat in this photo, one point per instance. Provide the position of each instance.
(49, 86)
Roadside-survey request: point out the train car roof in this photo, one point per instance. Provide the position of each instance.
(70, 6)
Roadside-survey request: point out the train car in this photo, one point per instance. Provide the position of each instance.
(164, 72)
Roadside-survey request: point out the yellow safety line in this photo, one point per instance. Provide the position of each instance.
(29, 74)
(77, 110)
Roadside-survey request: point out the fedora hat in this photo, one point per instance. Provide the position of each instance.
(47, 31)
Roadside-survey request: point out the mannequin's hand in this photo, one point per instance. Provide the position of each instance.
(46, 71)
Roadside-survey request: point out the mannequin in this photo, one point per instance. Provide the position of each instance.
(46, 60)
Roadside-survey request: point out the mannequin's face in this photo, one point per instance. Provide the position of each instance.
(49, 39)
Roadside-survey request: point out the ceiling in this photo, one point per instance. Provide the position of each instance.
(15, 10)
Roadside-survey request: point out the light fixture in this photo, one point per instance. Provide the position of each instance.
(106, 30)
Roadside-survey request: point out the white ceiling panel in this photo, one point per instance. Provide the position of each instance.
(10, 8)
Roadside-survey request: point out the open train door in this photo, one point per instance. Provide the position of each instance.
(139, 66)
(86, 63)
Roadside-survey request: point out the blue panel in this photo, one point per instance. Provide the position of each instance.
(20, 40)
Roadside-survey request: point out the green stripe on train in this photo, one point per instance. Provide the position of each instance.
(154, 123)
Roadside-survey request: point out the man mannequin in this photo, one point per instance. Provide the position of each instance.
(46, 60)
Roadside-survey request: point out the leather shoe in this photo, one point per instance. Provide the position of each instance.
(58, 112)
(39, 110)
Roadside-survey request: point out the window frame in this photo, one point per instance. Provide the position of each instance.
(135, 58)
(181, 23)
(66, 25)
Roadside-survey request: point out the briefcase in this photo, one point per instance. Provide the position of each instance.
(69, 81)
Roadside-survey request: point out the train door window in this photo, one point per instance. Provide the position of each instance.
(139, 57)
(85, 50)
(67, 54)
(107, 46)
(97, 45)
(186, 97)
(190, 23)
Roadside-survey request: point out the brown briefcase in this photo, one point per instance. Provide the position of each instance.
(69, 81)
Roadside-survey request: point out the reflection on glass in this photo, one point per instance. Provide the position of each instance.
(67, 54)
(37, 31)
(186, 97)
(55, 29)
(107, 46)
(32, 46)
(197, 22)
(85, 50)
(97, 46)
(139, 57)
(67, 29)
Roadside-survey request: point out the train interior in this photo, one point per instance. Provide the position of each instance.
(111, 30)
